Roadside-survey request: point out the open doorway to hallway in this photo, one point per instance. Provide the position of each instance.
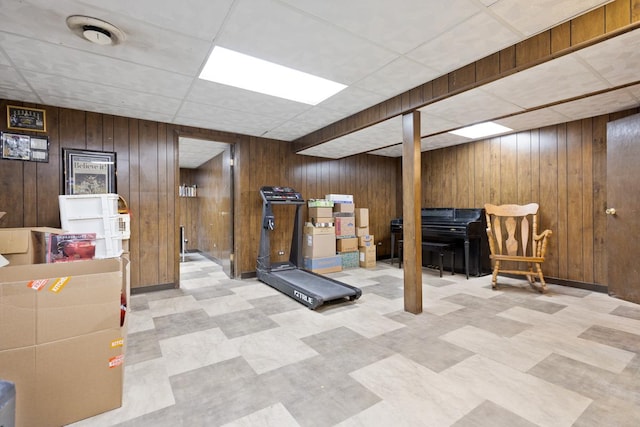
(206, 200)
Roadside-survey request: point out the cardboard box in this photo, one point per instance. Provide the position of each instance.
(344, 207)
(322, 222)
(362, 231)
(21, 246)
(366, 240)
(325, 265)
(65, 381)
(362, 217)
(318, 245)
(339, 198)
(349, 259)
(310, 229)
(345, 225)
(368, 256)
(321, 212)
(347, 244)
(61, 339)
(316, 203)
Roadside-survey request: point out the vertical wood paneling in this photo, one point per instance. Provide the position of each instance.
(617, 14)
(587, 26)
(94, 131)
(561, 236)
(560, 37)
(599, 153)
(135, 202)
(50, 176)
(508, 169)
(494, 165)
(523, 141)
(635, 10)
(165, 222)
(574, 198)
(149, 217)
(587, 201)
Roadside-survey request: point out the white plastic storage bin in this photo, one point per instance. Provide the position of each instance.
(108, 247)
(81, 206)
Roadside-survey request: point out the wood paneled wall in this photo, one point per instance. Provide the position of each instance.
(373, 180)
(215, 202)
(148, 178)
(561, 167)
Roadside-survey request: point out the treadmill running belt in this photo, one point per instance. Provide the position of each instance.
(324, 288)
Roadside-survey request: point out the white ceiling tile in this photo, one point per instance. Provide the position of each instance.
(399, 25)
(394, 151)
(351, 100)
(231, 98)
(289, 131)
(175, 16)
(470, 107)
(533, 16)
(18, 95)
(596, 105)
(222, 119)
(98, 107)
(318, 117)
(552, 81)
(297, 40)
(532, 119)
(47, 87)
(617, 60)
(430, 124)
(479, 36)
(12, 80)
(442, 140)
(33, 55)
(399, 76)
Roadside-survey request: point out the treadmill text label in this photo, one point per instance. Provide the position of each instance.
(302, 296)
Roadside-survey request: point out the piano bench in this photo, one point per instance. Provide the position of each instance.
(439, 248)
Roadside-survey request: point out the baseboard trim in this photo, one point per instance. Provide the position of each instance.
(153, 288)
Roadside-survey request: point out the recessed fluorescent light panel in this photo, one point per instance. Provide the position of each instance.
(481, 130)
(246, 72)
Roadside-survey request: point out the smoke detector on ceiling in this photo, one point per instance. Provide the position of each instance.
(95, 30)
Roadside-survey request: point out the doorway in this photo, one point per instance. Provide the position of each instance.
(206, 200)
(623, 208)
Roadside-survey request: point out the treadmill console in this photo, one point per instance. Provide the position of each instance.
(281, 194)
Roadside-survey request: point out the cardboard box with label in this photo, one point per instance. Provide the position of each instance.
(366, 240)
(320, 212)
(362, 217)
(347, 244)
(318, 242)
(362, 231)
(368, 256)
(22, 246)
(61, 338)
(345, 225)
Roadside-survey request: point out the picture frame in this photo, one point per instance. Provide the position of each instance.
(26, 118)
(17, 146)
(88, 171)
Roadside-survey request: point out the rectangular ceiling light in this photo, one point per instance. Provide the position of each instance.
(246, 72)
(481, 130)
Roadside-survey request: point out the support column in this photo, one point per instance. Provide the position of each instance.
(411, 207)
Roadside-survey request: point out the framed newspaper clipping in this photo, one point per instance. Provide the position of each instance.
(88, 172)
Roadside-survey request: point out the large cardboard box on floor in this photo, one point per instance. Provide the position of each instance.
(367, 256)
(61, 339)
(319, 242)
(22, 246)
(331, 264)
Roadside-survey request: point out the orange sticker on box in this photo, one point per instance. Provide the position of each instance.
(59, 284)
(117, 343)
(116, 361)
(37, 284)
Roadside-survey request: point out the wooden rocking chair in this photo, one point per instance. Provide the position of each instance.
(513, 236)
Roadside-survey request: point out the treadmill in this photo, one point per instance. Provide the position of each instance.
(304, 286)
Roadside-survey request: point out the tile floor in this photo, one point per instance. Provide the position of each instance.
(221, 352)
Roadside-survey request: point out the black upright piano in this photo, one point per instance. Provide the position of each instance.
(465, 229)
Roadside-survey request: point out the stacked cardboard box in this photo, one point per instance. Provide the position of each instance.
(61, 335)
(319, 239)
(366, 242)
(347, 242)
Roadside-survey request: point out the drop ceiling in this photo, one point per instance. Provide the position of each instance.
(376, 47)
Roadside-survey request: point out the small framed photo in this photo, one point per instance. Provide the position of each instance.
(88, 172)
(39, 149)
(25, 118)
(16, 146)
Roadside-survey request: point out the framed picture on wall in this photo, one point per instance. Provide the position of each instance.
(88, 172)
(25, 118)
(16, 146)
